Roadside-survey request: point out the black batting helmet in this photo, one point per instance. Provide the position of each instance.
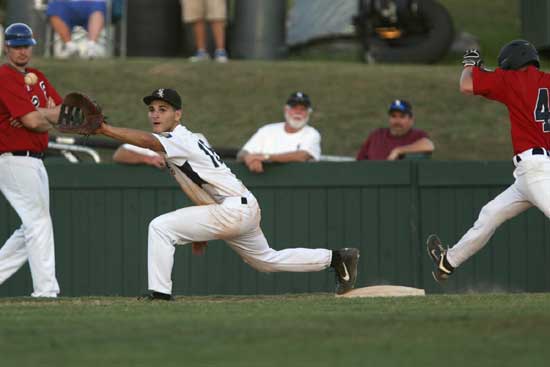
(19, 34)
(517, 54)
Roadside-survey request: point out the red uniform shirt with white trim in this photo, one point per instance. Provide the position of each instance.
(526, 95)
(18, 99)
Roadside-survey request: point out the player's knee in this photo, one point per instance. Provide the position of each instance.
(491, 215)
(40, 227)
(546, 211)
(156, 225)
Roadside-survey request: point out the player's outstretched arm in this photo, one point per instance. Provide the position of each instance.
(131, 136)
(466, 81)
(472, 58)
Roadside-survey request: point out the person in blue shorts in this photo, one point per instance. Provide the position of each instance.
(64, 15)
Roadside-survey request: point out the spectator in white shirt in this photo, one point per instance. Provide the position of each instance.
(290, 141)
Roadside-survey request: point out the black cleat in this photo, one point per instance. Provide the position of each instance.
(156, 296)
(344, 262)
(438, 254)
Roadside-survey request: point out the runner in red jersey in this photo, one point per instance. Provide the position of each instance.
(524, 89)
(28, 106)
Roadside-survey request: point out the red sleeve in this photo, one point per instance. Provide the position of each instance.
(15, 99)
(490, 84)
(362, 154)
(418, 134)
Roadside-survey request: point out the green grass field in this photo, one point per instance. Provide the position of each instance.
(303, 330)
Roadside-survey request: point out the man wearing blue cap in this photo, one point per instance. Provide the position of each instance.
(398, 139)
(29, 104)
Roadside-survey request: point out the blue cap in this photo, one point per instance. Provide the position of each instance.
(19, 34)
(401, 105)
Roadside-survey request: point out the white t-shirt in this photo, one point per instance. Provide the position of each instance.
(198, 168)
(273, 139)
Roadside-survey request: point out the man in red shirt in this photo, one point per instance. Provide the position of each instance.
(524, 89)
(397, 140)
(28, 106)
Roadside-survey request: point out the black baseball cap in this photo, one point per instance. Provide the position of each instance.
(297, 98)
(401, 105)
(164, 94)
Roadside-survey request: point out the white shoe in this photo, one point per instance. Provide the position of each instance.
(221, 56)
(69, 49)
(94, 50)
(201, 55)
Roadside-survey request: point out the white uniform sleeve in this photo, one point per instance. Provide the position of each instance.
(140, 150)
(312, 144)
(256, 143)
(175, 146)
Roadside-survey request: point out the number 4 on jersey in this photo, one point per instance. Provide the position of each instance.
(542, 112)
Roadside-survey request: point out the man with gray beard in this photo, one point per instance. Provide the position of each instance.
(290, 141)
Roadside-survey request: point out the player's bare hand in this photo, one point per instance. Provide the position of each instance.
(199, 248)
(16, 123)
(157, 161)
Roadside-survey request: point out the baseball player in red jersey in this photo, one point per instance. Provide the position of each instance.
(524, 89)
(27, 106)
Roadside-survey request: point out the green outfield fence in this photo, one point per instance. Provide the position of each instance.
(387, 209)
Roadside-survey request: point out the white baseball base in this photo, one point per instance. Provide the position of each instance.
(384, 291)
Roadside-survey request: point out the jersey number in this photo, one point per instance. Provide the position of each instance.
(214, 157)
(542, 113)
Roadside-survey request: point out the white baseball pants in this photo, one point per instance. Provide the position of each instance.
(531, 188)
(24, 183)
(236, 223)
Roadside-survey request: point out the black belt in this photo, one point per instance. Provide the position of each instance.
(535, 151)
(27, 153)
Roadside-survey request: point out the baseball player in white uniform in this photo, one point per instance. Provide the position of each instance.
(290, 141)
(225, 209)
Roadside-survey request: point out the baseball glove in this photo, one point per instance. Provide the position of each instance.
(472, 58)
(79, 115)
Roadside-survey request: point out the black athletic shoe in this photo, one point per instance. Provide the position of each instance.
(438, 254)
(344, 262)
(156, 296)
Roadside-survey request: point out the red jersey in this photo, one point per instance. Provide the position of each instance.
(381, 142)
(18, 99)
(526, 95)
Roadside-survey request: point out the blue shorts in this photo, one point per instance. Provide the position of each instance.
(75, 12)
